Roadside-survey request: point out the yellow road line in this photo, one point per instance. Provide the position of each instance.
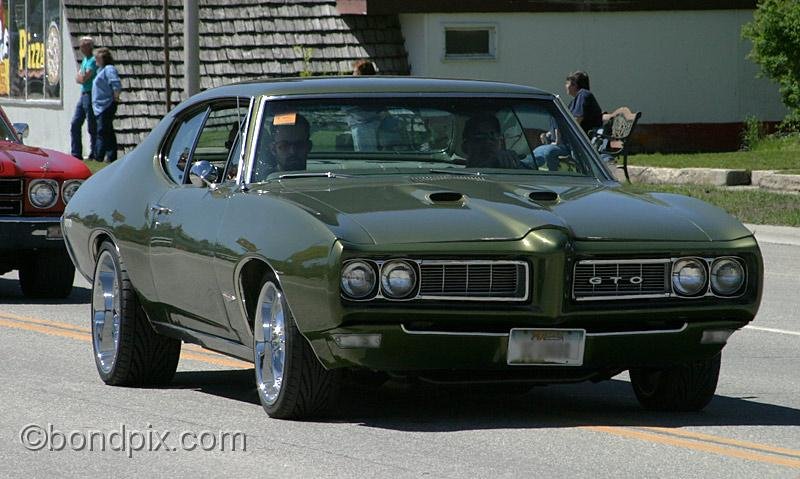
(697, 446)
(694, 440)
(75, 332)
(725, 440)
(44, 329)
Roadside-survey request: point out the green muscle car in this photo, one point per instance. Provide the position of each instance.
(327, 229)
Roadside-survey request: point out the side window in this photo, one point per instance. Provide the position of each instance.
(219, 134)
(180, 147)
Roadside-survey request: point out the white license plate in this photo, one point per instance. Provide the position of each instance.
(546, 347)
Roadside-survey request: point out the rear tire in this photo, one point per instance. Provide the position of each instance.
(291, 382)
(127, 350)
(49, 274)
(687, 387)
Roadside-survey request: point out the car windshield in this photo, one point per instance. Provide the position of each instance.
(385, 135)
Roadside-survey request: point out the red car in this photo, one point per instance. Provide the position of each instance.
(35, 185)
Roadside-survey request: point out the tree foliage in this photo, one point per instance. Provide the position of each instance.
(775, 34)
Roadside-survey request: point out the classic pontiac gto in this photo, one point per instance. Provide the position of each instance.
(35, 185)
(330, 228)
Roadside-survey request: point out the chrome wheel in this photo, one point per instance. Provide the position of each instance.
(106, 309)
(270, 343)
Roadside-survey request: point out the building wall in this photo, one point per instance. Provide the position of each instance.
(676, 67)
(49, 122)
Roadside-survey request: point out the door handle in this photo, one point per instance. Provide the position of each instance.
(160, 210)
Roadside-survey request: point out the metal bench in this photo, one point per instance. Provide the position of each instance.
(614, 143)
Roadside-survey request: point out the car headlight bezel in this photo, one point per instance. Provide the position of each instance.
(69, 188)
(714, 276)
(35, 186)
(684, 282)
(370, 276)
(391, 286)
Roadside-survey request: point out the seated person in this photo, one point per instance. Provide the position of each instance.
(483, 144)
(287, 146)
(550, 151)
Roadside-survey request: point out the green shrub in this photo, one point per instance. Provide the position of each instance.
(752, 133)
(775, 33)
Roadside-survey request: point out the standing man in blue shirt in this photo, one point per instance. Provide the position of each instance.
(105, 97)
(83, 110)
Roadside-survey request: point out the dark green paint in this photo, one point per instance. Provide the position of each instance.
(303, 229)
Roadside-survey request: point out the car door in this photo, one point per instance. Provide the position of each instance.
(187, 218)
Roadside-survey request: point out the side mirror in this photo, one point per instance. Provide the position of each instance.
(22, 129)
(203, 173)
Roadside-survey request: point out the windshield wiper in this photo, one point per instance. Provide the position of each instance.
(327, 174)
(455, 171)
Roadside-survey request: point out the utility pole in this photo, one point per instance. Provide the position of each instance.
(167, 82)
(191, 48)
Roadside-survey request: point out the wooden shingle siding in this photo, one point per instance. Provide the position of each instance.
(239, 40)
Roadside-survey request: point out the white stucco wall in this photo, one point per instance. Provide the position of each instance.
(676, 67)
(49, 121)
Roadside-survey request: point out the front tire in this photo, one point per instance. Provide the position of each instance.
(127, 351)
(687, 387)
(49, 274)
(291, 382)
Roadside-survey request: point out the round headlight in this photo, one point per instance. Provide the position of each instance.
(43, 193)
(688, 276)
(727, 276)
(69, 189)
(398, 279)
(358, 279)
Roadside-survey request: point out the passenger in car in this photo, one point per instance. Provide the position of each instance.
(483, 144)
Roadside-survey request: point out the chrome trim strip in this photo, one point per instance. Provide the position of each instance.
(625, 261)
(637, 333)
(450, 333)
(627, 296)
(250, 159)
(33, 220)
(593, 335)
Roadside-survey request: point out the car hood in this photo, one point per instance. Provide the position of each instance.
(466, 208)
(19, 160)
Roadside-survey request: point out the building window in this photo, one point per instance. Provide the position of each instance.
(30, 54)
(470, 42)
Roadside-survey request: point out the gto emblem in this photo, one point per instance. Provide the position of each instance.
(597, 280)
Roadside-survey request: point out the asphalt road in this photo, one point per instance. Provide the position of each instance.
(52, 398)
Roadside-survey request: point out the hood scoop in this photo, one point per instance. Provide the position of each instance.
(540, 196)
(446, 197)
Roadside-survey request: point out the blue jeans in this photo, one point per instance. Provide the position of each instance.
(106, 136)
(83, 111)
(548, 155)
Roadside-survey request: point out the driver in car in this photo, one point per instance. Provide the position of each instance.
(290, 141)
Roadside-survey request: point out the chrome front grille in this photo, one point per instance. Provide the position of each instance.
(474, 280)
(10, 207)
(10, 186)
(621, 279)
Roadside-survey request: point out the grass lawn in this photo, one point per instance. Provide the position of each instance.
(750, 206)
(95, 166)
(769, 154)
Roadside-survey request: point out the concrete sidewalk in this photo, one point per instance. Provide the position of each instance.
(776, 234)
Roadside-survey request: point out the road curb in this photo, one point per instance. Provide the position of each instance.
(690, 176)
(772, 180)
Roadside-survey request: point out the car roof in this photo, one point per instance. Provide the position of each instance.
(356, 85)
